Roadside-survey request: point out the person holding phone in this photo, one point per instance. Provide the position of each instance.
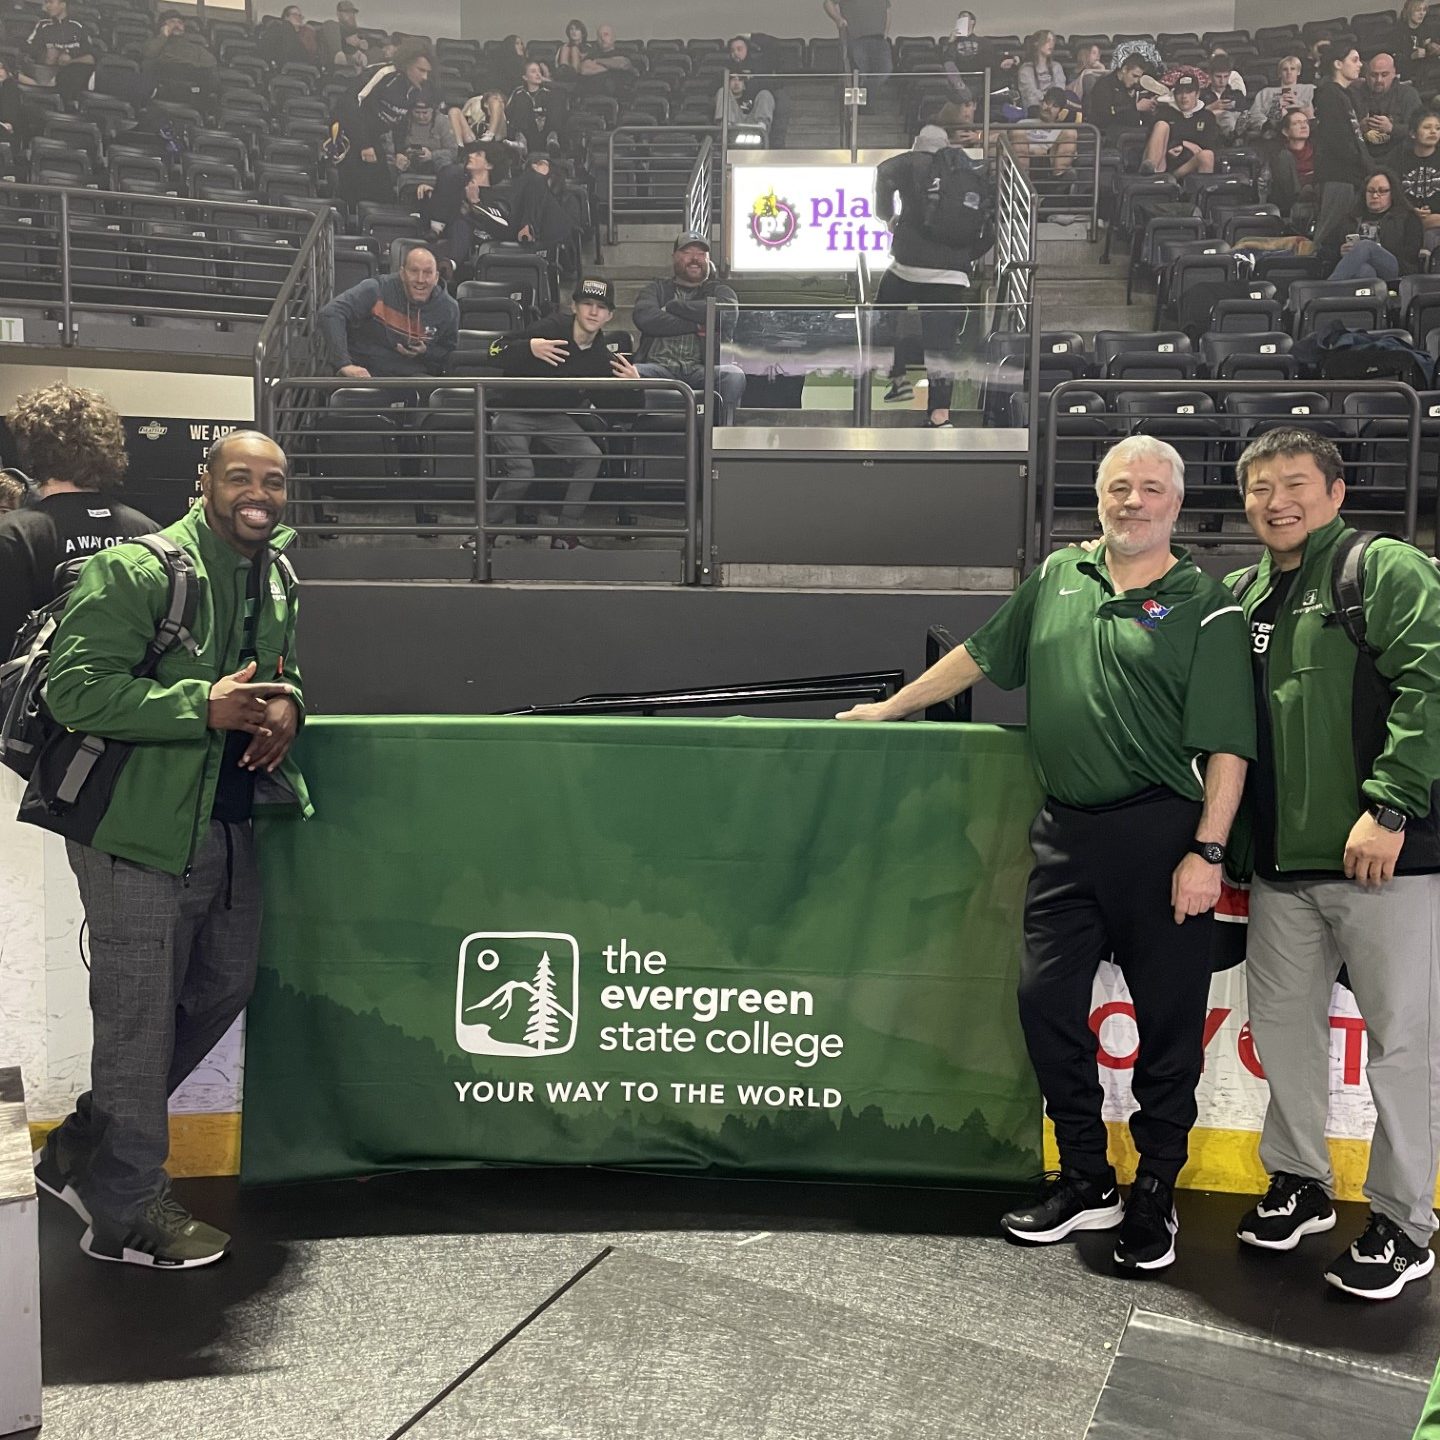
(1274, 102)
(401, 324)
(1391, 108)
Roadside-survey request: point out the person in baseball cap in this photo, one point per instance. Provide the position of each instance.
(689, 238)
(597, 291)
(1186, 134)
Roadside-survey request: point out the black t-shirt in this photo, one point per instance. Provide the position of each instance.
(1200, 127)
(235, 789)
(1262, 789)
(67, 35)
(39, 537)
(1420, 178)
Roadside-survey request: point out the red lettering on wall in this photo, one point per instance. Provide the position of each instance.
(1098, 1017)
(1245, 1048)
(1213, 1021)
(1352, 1049)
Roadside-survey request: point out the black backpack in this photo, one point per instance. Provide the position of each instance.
(956, 208)
(72, 775)
(1347, 584)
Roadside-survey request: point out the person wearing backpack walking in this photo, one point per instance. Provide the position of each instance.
(941, 227)
(168, 877)
(73, 443)
(1341, 835)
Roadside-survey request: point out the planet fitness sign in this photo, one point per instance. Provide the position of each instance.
(800, 219)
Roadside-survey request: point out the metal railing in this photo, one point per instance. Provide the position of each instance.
(648, 173)
(289, 342)
(114, 253)
(1375, 424)
(700, 195)
(1015, 215)
(456, 456)
(1074, 192)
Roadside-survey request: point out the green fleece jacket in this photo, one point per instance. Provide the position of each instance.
(167, 787)
(1347, 733)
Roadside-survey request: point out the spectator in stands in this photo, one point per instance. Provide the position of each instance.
(572, 346)
(169, 881)
(922, 195)
(1292, 171)
(1047, 149)
(606, 70)
(72, 442)
(1341, 159)
(1415, 45)
(176, 56)
(485, 115)
(1390, 110)
(1185, 137)
(12, 497)
(571, 54)
(1225, 96)
(61, 52)
(535, 112)
(1119, 102)
(372, 116)
(1317, 62)
(739, 101)
(400, 324)
(1344, 854)
(1273, 103)
(1420, 175)
(864, 29)
(342, 46)
(1039, 72)
(429, 140)
(1386, 235)
(1129, 843)
(15, 114)
(291, 40)
(741, 54)
(509, 65)
(670, 316)
(1089, 67)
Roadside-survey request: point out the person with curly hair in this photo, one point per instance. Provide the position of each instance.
(73, 444)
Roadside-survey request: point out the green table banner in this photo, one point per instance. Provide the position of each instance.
(744, 946)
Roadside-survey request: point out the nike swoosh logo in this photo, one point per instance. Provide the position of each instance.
(1075, 591)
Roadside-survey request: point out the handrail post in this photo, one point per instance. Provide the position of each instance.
(854, 109)
(66, 300)
(612, 232)
(693, 451)
(705, 419)
(482, 519)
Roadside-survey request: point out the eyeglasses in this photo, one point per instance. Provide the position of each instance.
(1385, 191)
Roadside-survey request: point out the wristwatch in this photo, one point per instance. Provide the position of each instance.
(1209, 851)
(1388, 818)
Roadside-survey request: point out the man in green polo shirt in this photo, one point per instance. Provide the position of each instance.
(1342, 834)
(1141, 721)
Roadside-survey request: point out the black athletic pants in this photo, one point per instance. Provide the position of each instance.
(939, 328)
(1101, 890)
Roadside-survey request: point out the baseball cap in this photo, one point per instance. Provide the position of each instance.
(601, 291)
(1186, 82)
(691, 237)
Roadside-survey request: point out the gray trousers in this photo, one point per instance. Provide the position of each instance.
(171, 966)
(1301, 932)
(513, 433)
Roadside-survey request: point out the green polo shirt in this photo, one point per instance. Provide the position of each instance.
(1125, 691)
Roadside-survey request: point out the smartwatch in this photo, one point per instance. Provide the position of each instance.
(1209, 851)
(1388, 818)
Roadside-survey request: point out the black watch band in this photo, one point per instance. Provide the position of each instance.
(1388, 818)
(1209, 851)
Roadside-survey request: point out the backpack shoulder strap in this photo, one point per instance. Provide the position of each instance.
(281, 562)
(1243, 581)
(181, 602)
(1347, 584)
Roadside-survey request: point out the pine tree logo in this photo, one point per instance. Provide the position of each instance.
(516, 993)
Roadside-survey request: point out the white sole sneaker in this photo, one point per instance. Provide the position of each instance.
(66, 1194)
(1409, 1273)
(1316, 1225)
(1099, 1219)
(128, 1256)
(1167, 1259)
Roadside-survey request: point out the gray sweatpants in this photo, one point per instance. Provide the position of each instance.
(171, 966)
(1301, 933)
(515, 431)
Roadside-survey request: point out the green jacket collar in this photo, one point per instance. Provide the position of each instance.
(214, 552)
(1318, 545)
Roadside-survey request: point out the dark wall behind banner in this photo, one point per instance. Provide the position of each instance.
(454, 649)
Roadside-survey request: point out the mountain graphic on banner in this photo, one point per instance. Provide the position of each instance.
(531, 1029)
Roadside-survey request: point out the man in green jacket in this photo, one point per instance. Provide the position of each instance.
(1344, 847)
(170, 885)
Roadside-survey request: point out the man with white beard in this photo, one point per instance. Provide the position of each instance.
(1141, 723)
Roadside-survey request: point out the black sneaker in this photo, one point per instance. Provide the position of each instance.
(1147, 1238)
(56, 1177)
(1293, 1208)
(1068, 1201)
(164, 1235)
(1381, 1263)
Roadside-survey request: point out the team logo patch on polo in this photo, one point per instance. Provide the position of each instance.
(1153, 613)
